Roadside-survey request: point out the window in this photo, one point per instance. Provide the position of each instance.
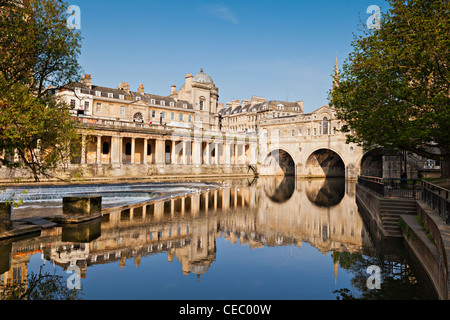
(98, 93)
(190, 118)
(121, 96)
(315, 131)
(163, 114)
(184, 106)
(99, 107)
(172, 116)
(181, 117)
(202, 103)
(153, 101)
(172, 104)
(138, 117)
(153, 113)
(299, 132)
(325, 125)
(293, 133)
(309, 132)
(72, 103)
(110, 95)
(122, 110)
(77, 90)
(162, 102)
(86, 105)
(105, 149)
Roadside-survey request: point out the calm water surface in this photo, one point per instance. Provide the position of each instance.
(263, 239)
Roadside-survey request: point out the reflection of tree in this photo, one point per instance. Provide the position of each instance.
(396, 284)
(41, 286)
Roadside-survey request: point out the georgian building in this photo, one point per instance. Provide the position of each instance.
(246, 116)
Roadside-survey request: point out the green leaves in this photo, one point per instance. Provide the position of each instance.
(394, 86)
(38, 54)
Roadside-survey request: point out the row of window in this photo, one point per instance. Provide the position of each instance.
(138, 116)
(83, 106)
(256, 117)
(122, 97)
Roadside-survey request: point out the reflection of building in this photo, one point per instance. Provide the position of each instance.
(186, 227)
(16, 275)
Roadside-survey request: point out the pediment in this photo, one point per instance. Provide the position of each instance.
(139, 103)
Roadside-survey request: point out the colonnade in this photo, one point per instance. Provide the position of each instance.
(117, 150)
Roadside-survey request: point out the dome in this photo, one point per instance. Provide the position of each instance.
(202, 77)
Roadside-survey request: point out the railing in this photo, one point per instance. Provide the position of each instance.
(395, 188)
(437, 198)
(372, 183)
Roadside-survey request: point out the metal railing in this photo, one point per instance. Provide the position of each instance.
(437, 198)
(395, 188)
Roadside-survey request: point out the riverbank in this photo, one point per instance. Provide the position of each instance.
(425, 232)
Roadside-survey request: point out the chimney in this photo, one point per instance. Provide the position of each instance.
(124, 86)
(188, 80)
(173, 92)
(87, 81)
(300, 104)
(141, 89)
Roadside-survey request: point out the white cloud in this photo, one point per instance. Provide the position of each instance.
(221, 12)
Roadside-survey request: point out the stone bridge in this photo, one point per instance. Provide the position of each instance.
(310, 145)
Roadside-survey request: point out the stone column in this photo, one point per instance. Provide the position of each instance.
(116, 156)
(99, 148)
(159, 151)
(207, 154)
(144, 158)
(227, 152)
(83, 149)
(184, 160)
(173, 154)
(216, 153)
(133, 149)
(253, 156)
(196, 152)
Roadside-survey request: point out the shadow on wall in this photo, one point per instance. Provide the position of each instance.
(325, 163)
(280, 163)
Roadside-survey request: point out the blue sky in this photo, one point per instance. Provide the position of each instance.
(280, 50)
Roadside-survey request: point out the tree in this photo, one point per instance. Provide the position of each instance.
(38, 55)
(393, 89)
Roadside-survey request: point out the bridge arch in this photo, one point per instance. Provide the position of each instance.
(371, 163)
(280, 162)
(324, 162)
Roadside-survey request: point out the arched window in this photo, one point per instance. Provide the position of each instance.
(105, 149)
(325, 125)
(138, 117)
(202, 103)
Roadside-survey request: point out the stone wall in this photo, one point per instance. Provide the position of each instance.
(129, 171)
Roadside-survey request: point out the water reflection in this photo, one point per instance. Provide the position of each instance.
(259, 214)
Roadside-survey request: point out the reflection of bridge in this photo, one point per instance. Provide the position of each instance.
(186, 227)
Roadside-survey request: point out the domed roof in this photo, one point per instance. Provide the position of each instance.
(202, 77)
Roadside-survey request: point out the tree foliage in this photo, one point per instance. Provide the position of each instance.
(38, 55)
(394, 87)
